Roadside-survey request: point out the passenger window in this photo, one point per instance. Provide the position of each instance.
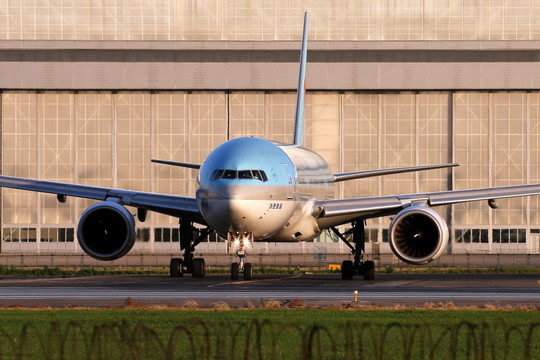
(229, 174)
(245, 174)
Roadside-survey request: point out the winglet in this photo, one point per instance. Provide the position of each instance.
(299, 123)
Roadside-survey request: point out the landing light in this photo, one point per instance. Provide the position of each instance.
(240, 240)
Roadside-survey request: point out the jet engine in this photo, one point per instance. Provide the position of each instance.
(418, 234)
(106, 231)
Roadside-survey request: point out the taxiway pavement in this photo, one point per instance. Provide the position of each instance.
(311, 289)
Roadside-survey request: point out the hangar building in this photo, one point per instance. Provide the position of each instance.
(91, 91)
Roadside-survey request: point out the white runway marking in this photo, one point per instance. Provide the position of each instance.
(72, 293)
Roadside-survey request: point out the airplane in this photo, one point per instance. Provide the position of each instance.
(251, 189)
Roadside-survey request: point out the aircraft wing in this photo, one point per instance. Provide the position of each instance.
(178, 206)
(336, 212)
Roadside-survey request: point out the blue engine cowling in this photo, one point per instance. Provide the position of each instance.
(106, 231)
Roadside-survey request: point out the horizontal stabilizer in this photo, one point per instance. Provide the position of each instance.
(176, 163)
(372, 173)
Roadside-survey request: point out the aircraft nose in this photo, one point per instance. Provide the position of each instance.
(238, 210)
(231, 193)
(227, 208)
(235, 204)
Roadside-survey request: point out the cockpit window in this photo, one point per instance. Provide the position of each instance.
(263, 176)
(216, 174)
(245, 174)
(229, 174)
(240, 174)
(256, 175)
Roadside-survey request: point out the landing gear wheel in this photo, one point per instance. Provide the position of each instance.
(175, 269)
(359, 266)
(247, 271)
(369, 270)
(198, 268)
(235, 271)
(347, 270)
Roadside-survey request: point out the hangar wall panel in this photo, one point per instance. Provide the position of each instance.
(471, 149)
(170, 141)
(534, 159)
(269, 20)
(108, 139)
(361, 141)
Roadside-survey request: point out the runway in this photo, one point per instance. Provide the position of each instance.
(310, 289)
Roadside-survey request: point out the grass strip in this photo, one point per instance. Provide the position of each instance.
(269, 333)
(96, 271)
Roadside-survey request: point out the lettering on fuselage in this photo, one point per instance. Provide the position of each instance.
(275, 206)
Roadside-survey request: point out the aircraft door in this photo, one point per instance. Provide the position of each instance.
(289, 181)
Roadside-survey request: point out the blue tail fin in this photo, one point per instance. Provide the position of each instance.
(299, 123)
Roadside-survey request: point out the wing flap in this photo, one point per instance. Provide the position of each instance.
(459, 196)
(361, 207)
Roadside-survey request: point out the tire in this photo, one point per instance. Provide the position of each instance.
(199, 269)
(347, 270)
(248, 272)
(235, 271)
(175, 268)
(369, 270)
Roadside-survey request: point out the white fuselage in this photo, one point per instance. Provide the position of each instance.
(254, 186)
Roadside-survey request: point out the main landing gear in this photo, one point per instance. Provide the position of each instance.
(359, 267)
(188, 264)
(241, 241)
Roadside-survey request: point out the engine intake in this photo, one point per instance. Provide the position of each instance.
(106, 231)
(418, 235)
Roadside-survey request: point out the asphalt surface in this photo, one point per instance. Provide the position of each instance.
(310, 289)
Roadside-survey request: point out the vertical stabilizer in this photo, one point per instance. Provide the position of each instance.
(299, 123)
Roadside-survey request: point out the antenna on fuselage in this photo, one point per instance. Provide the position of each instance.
(299, 123)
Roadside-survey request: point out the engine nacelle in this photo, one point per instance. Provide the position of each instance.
(106, 231)
(418, 235)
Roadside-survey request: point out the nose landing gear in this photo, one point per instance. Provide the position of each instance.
(241, 241)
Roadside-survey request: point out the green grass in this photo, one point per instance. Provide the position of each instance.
(84, 271)
(95, 271)
(270, 333)
(461, 270)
